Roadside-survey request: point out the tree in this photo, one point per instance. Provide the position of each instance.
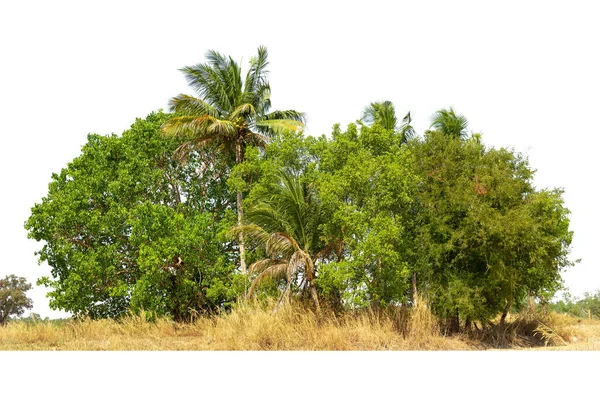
(125, 227)
(286, 223)
(229, 114)
(485, 238)
(13, 300)
(367, 195)
(384, 114)
(447, 122)
(588, 306)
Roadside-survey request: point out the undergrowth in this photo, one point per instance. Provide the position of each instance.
(293, 327)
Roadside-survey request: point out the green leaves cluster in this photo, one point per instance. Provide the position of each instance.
(126, 226)
(158, 218)
(13, 297)
(462, 221)
(586, 307)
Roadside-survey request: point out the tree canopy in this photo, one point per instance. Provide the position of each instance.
(230, 114)
(126, 226)
(13, 297)
(368, 216)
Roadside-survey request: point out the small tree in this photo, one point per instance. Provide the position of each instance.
(13, 300)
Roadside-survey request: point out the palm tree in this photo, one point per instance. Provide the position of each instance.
(447, 122)
(384, 114)
(229, 113)
(381, 112)
(286, 224)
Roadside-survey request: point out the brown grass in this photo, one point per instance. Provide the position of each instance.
(249, 327)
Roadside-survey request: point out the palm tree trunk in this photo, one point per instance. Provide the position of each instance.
(240, 211)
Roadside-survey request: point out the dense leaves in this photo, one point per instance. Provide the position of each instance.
(368, 217)
(13, 297)
(125, 226)
(230, 113)
(487, 237)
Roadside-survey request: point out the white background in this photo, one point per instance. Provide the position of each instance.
(525, 74)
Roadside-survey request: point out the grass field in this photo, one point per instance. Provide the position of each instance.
(295, 328)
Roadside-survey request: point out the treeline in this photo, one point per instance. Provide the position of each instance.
(222, 200)
(586, 307)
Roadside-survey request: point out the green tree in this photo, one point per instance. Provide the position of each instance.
(588, 306)
(449, 123)
(13, 298)
(229, 113)
(485, 238)
(367, 194)
(286, 223)
(126, 226)
(384, 114)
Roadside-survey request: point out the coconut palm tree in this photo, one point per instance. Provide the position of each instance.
(229, 113)
(447, 122)
(384, 114)
(286, 224)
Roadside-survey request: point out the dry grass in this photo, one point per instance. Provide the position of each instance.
(537, 330)
(291, 328)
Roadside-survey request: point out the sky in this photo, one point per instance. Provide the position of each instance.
(525, 74)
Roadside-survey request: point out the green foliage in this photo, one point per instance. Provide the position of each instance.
(13, 297)
(487, 238)
(588, 306)
(369, 217)
(285, 222)
(450, 124)
(119, 218)
(230, 114)
(368, 196)
(384, 114)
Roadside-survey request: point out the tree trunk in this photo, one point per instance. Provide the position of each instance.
(310, 278)
(455, 323)
(313, 292)
(240, 211)
(505, 312)
(530, 303)
(468, 324)
(414, 289)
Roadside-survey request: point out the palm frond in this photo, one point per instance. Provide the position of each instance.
(261, 265)
(191, 106)
(291, 115)
(447, 122)
(228, 73)
(257, 74)
(260, 98)
(406, 129)
(274, 271)
(267, 217)
(281, 244)
(222, 127)
(279, 126)
(300, 258)
(251, 231)
(294, 202)
(382, 112)
(244, 110)
(208, 82)
(187, 126)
